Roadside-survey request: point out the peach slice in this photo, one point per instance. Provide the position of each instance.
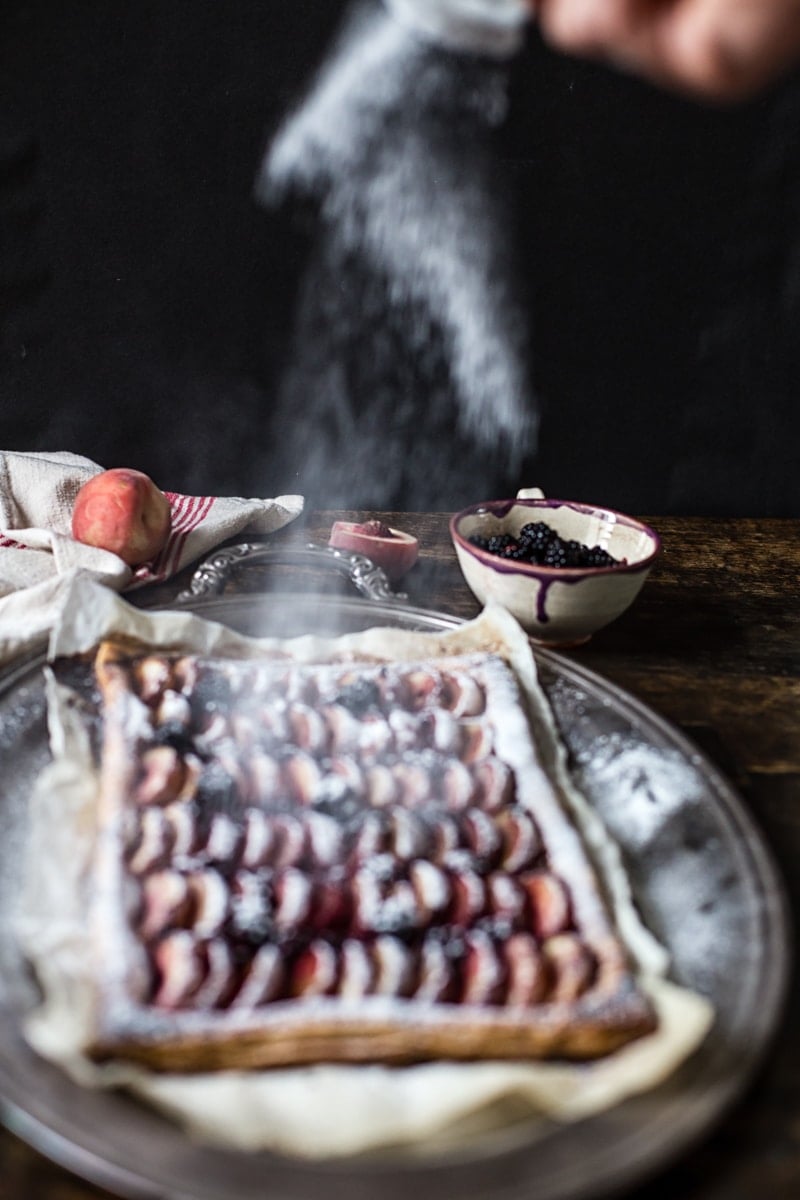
(166, 903)
(163, 773)
(382, 787)
(209, 892)
(123, 511)
(293, 895)
(522, 843)
(469, 897)
(527, 975)
(153, 842)
(291, 840)
(549, 904)
(482, 835)
(151, 677)
(391, 549)
(315, 971)
(457, 786)
(446, 837)
(180, 969)
(572, 964)
(324, 838)
(435, 972)
(219, 980)
(394, 967)
(506, 896)
(483, 970)
(264, 981)
(431, 888)
(357, 970)
(409, 836)
(259, 839)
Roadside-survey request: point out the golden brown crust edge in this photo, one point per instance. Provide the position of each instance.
(556, 1035)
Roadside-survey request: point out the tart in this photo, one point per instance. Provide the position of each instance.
(347, 862)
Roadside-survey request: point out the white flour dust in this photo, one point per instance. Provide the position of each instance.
(410, 329)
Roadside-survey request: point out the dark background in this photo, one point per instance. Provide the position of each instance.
(146, 299)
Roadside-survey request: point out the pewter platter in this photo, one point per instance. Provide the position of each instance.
(701, 874)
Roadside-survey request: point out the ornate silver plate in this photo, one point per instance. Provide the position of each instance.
(701, 874)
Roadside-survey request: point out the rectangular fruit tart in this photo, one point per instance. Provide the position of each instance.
(349, 861)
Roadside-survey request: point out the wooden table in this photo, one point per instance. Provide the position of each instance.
(712, 644)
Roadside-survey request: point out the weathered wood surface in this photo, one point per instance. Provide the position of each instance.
(712, 644)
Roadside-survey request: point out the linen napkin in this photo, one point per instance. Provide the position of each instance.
(39, 556)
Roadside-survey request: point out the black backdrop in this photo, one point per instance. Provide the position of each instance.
(146, 299)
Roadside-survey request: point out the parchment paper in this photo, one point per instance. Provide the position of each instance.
(327, 1110)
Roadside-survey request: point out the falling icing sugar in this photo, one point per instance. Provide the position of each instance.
(409, 325)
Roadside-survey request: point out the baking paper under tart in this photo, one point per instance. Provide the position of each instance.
(430, 1106)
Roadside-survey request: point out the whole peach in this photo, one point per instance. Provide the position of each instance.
(122, 510)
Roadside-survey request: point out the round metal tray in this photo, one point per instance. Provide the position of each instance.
(702, 877)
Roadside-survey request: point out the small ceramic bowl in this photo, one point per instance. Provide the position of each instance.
(558, 606)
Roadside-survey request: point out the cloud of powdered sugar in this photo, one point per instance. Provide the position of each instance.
(410, 332)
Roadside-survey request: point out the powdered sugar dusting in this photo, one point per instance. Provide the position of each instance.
(669, 844)
(651, 785)
(414, 260)
(384, 1110)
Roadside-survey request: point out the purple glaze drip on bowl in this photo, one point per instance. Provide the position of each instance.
(541, 599)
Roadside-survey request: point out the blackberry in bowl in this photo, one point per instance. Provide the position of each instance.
(563, 568)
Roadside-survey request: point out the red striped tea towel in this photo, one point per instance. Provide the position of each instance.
(38, 553)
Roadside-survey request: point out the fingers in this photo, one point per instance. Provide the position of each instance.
(726, 49)
(721, 49)
(591, 27)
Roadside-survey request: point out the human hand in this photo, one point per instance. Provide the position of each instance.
(719, 49)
